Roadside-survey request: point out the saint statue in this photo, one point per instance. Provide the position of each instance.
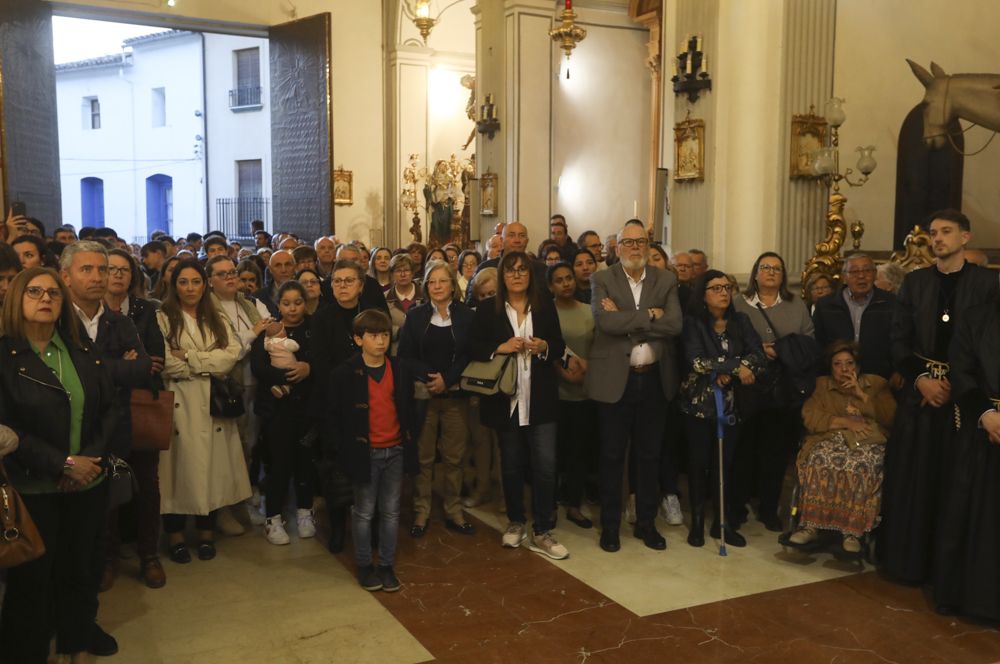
(441, 194)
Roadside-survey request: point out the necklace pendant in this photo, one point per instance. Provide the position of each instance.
(945, 317)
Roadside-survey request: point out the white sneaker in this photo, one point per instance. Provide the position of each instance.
(514, 536)
(630, 509)
(256, 517)
(670, 507)
(227, 524)
(306, 524)
(547, 545)
(274, 529)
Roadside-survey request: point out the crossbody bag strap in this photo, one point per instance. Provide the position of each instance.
(763, 312)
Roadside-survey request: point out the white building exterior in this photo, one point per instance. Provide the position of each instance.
(148, 140)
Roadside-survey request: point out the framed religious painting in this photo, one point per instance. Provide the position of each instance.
(343, 187)
(488, 194)
(689, 149)
(808, 135)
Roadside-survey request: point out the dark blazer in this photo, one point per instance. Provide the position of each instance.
(296, 403)
(35, 405)
(489, 330)
(116, 335)
(412, 336)
(345, 429)
(616, 332)
(975, 362)
(704, 356)
(832, 321)
(914, 320)
(143, 315)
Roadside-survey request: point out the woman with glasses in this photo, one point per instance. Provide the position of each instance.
(404, 294)
(312, 285)
(125, 295)
(58, 397)
(204, 470)
(770, 434)
(468, 261)
(721, 350)
(434, 341)
(818, 286)
(522, 322)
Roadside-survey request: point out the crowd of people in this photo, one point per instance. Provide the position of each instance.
(330, 370)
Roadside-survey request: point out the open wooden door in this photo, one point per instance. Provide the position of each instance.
(29, 131)
(302, 127)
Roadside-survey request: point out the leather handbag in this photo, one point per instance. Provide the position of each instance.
(152, 419)
(226, 398)
(498, 375)
(123, 484)
(20, 541)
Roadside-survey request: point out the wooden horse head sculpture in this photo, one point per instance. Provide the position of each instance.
(971, 97)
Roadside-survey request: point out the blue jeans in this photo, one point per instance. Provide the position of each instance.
(540, 441)
(383, 490)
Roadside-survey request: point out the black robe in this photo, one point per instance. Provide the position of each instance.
(966, 564)
(916, 466)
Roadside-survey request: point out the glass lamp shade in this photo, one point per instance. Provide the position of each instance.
(422, 9)
(866, 162)
(823, 161)
(835, 114)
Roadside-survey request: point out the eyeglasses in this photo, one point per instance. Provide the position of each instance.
(519, 271)
(118, 271)
(629, 242)
(228, 274)
(309, 282)
(861, 270)
(345, 281)
(402, 270)
(773, 269)
(719, 288)
(36, 292)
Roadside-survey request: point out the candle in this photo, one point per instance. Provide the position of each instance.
(697, 43)
(635, 209)
(704, 64)
(569, 5)
(493, 112)
(687, 63)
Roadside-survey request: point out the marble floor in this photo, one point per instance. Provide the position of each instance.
(465, 599)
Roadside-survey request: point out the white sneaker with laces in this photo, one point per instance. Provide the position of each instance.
(274, 529)
(514, 535)
(547, 545)
(306, 524)
(670, 506)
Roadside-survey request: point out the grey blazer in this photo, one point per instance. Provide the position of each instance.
(618, 331)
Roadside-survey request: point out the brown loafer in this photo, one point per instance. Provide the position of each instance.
(152, 573)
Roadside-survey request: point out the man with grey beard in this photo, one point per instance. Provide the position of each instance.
(632, 375)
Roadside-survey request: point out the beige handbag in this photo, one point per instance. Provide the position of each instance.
(498, 375)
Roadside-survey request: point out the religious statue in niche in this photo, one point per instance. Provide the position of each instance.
(808, 135)
(689, 149)
(445, 200)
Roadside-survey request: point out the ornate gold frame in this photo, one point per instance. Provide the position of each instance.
(340, 175)
(488, 181)
(689, 149)
(808, 135)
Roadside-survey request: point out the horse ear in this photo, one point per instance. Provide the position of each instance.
(922, 74)
(936, 70)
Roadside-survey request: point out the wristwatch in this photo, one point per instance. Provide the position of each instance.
(68, 463)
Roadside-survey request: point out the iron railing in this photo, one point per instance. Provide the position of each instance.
(246, 97)
(233, 216)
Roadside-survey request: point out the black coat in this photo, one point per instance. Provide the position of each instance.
(35, 405)
(332, 337)
(143, 315)
(489, 330)
(116, 335)
(915, 318)
(345, 409)
(296, 403)
(412, 336)
(832, 321)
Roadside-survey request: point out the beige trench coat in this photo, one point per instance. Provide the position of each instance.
(204, 468)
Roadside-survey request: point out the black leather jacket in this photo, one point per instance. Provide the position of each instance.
(34, 404)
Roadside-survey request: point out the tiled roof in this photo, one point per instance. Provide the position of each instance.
(156, 36)
(94, 63)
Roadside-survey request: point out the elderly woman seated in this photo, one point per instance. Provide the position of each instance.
(847, 421)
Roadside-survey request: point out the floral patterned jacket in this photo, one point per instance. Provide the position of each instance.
(707, 353)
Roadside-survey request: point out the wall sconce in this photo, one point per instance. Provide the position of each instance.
(487, 124)
(691, 70)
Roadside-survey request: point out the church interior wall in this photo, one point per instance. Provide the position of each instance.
(873, 40)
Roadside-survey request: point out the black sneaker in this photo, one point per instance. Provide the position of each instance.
(390, 583)
(369, 578)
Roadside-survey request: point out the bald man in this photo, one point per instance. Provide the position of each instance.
(281, 267)
(515, 238)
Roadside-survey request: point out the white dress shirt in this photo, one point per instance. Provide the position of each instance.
(521, 399)
(91, 323)
(642, 353)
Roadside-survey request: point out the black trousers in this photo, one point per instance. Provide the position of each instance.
(767, 442)
(56, 593)
(288, 457)
(577, 451)
(703, 463)
(637, 419)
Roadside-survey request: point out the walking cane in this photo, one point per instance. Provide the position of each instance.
(720, 432)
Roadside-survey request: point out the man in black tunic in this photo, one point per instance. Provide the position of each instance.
(930, 303)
